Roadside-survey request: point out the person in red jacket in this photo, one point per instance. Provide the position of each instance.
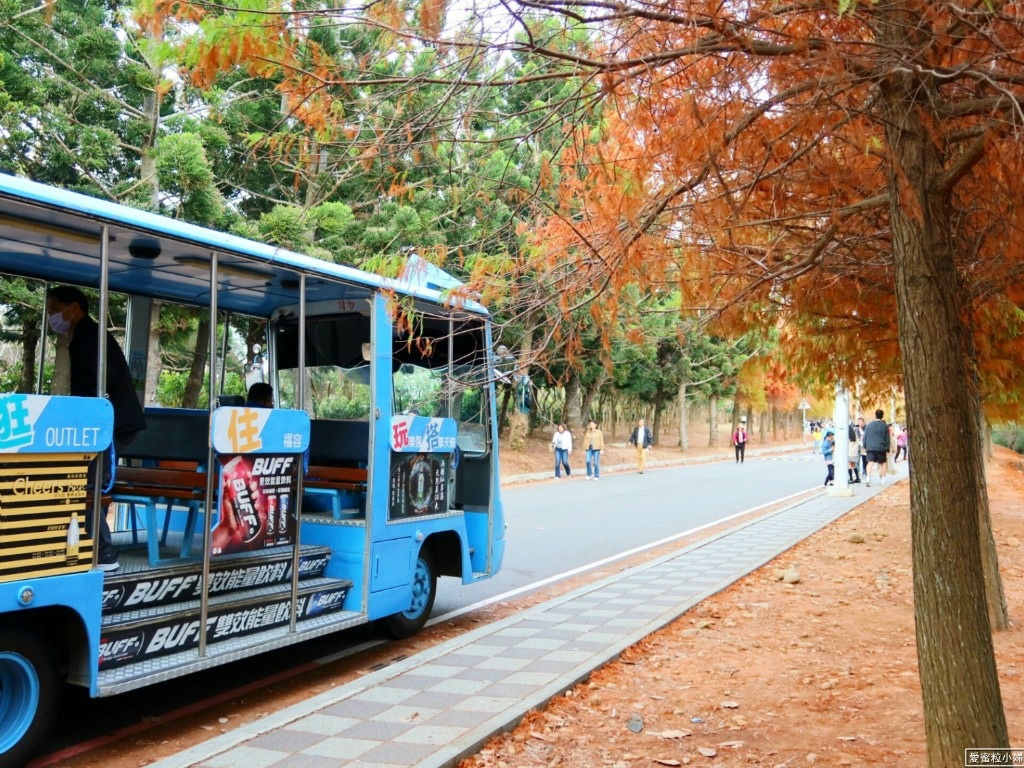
(739, 440)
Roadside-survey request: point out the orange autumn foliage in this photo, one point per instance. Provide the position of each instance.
(747, 167)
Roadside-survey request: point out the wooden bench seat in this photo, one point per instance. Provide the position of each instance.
(349, 478)
(168, 486)
(177, 483)
(339, 487)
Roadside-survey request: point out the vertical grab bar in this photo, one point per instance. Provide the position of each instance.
(301, 402)
(211, 467)
(101, 384)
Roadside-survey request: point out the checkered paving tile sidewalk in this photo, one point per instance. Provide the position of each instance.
(435, 708)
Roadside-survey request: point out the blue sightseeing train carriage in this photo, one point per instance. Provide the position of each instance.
(239, 529)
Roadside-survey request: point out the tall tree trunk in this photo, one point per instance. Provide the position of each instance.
(196, 374)
(684, 417)
(713, 421)
(503, 414)
(962, 703)
(519, 421)
(147, 159)
(30, 330)
(154, 358)
(590, 393)
(995, 595)
(656, 422)
(313, 164)
(573, 416)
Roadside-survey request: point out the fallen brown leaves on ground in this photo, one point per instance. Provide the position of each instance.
(820, 672)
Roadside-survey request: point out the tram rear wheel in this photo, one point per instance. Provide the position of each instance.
(424, 589)
(30, 689)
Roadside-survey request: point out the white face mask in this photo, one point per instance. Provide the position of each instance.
(58, 323)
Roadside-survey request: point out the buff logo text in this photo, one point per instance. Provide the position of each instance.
(244, 509)
(272, 465)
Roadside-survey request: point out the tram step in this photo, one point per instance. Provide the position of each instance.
(138, 636)
(133, 588)
(129, 677)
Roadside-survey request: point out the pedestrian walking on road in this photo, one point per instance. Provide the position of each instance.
(901, 446)
(739, 440)
(593, 439)
(642, 440)
(828, 450)
(863, 450)
(562, 443)
(876, 443)
(853, 465)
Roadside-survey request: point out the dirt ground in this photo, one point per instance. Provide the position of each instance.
(821, 672)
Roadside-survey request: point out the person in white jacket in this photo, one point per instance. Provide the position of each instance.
(562, 443)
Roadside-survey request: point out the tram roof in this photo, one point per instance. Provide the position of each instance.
(53, 234)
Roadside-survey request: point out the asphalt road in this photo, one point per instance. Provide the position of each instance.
(559, 526)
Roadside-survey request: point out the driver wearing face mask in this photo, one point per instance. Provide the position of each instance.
(67, 311)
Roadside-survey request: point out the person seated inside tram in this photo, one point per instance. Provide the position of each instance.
(261, 395)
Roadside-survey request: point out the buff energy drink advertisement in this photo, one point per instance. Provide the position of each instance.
(170, 634)
(256, 502)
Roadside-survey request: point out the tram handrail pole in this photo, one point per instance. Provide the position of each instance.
(41, 357)
(101, 384)
(301, 403)
(211, 467)
(451, 366)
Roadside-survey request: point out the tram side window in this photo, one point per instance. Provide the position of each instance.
(24, 322)
(337, 373)
(332, 392)
(473, 408)
(426, 383)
